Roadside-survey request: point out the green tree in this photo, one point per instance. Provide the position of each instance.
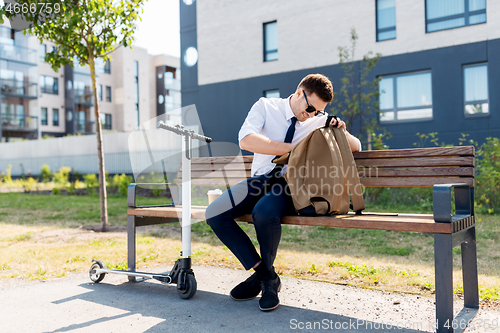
(358, 99)
(83, 30)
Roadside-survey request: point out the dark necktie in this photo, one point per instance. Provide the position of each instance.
(288, 139)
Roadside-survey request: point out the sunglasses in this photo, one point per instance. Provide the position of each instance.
(310, 108)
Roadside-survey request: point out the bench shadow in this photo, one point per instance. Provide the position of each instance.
(208, 311)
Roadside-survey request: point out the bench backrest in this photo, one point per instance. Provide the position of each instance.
(418, 167)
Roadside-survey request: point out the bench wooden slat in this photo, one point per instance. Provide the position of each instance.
(417, 152)
(417, 161)
(218, 166)
(401, 222)
(372, 172)
(413, 182)
(222, 159)
(212, 182)
(244, 171)
(363, 172)
(367, 182)
(416, 172)
(220, 174)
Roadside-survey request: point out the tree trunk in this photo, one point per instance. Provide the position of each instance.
(100, 149)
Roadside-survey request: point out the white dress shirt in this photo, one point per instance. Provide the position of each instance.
(271, 117)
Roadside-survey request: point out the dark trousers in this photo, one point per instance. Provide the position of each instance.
(268, 200)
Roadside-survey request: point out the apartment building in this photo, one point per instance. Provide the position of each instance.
(37, 101)
(439, 70)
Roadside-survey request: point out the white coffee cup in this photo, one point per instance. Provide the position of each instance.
(213, 194)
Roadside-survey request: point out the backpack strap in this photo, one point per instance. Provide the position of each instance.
(329, 119)
(350, 170)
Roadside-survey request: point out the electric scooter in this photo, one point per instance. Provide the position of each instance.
(182, 273)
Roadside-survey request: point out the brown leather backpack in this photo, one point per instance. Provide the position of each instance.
(321, 173)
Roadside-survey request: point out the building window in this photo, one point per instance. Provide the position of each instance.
(55, 117)
(43, 51)
(45, 116)
(108, 94)
(106, 121)
(49, 85)
(406, 97)
(449, 14)
(99, 91)
(271, 41)
(386, 20)
(107, 67)
(476, 89)
(274, 93)
(136, 83)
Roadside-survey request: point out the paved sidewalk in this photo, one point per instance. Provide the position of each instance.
(75, 304)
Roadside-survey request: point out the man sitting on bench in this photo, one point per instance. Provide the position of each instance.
(270, 129)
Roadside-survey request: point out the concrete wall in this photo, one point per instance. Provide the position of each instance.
(131, 153)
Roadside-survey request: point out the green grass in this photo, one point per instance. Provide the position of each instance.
(65, 210)
(364, 257)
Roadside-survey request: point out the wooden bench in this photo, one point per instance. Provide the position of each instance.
(443, 169)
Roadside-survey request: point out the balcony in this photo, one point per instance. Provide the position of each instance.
(50, 90)
(16, 88)
(85, 127)
(83, 97)
(18, 53)
(172, 84)
(18, 123)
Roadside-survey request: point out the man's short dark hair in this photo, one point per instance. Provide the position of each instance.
(318, 84)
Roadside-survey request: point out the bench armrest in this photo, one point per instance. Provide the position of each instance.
(441, 197)
(131, 193)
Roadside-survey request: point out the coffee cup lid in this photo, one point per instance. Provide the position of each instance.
(216, 191)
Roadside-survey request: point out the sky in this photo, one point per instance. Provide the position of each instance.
(159, 30)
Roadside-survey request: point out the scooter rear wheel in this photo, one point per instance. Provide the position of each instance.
(96, 278)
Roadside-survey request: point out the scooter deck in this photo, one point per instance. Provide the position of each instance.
(162, 277)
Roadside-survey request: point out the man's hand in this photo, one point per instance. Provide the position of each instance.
(354, 143)
(338, 123)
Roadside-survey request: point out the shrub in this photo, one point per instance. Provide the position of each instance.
(79, 184)
(61, 177)
(91, 181)
(29, 184)
(71, 188)
(122, 182)
(400, 196)
(7, 178)
(109, 181)
(46, 175)
(488, 174)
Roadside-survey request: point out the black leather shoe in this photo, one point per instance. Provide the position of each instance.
(248, 289)
(269, 300)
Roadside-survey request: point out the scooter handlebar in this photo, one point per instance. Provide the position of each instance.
(179, 129)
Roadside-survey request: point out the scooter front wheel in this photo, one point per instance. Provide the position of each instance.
(191, 287)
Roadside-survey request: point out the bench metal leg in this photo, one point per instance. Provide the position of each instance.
(443, 263)
(443, 255)
(469, 271)
(131, 245)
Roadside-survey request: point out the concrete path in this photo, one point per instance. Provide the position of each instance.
(75, 304)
